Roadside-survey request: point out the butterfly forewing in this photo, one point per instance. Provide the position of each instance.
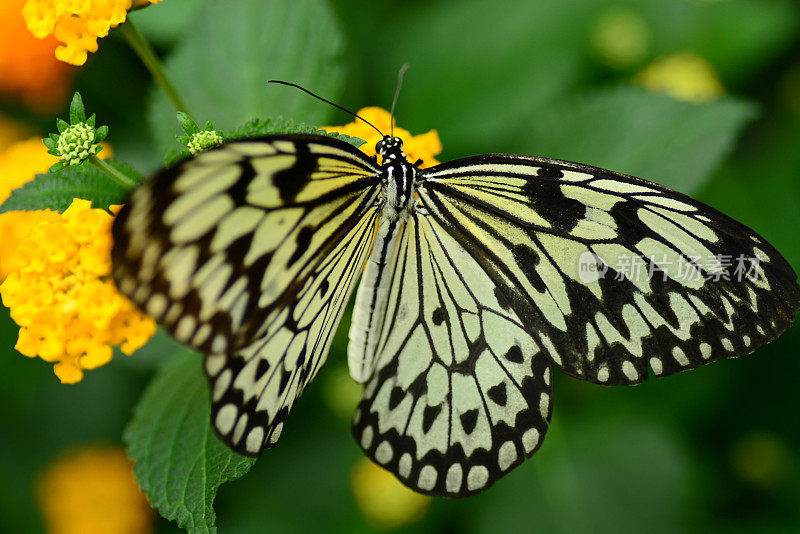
(249, 253)
(670, 282)
(461, 391)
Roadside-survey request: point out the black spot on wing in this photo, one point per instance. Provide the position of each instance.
(438, 316)
(549, 202)
(548, 171)
(527, 259)
(290, 181)
(469, 420)
(429, 415)
(395, 397)
(498, 394)
(238, 192)
(501, 298)
(262, 367)
(514, 354)
(303, 240)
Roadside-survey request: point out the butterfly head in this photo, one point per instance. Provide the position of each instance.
(390, 148)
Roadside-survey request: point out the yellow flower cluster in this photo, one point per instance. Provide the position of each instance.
(384, 501)
(68, 309)
(19, 163)
(425, 146)
(75, 23)
(93, 491)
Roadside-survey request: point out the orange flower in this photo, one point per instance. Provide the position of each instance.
(29, 70)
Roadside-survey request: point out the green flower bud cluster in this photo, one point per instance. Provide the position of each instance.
(76, 143)
(204, 140)
(196, 139)
(77, 140)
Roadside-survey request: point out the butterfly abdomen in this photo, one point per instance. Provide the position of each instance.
(398, 178)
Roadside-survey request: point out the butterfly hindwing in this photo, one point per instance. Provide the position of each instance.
(461, 393)
(249, 253)
(533, 222)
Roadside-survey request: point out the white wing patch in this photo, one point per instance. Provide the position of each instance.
(459, 395)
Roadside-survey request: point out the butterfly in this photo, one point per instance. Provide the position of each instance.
(479, 278)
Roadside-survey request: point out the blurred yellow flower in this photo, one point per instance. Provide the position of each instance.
(61, 296)
(29, 70)
(682, 75)
(760, 458)
(75, 23)
(93, 491)
(424, 146)
(384, 501)
(620, 37)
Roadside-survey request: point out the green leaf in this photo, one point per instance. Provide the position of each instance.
(49, 143)
(187, 123)
(61, 125)
(101, 134)
(176, 155)
(270, 126)
(222, 65)
(477, 74)
(56, 190)
(179, 461)
(77, 113)
(626, 129)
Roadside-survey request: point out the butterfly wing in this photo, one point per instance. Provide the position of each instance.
(706, 286)
(461, 392)
(486, 295)
(249, 253)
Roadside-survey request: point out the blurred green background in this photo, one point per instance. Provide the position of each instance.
(715, 449)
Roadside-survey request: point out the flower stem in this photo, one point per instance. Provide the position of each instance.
(111, 172)
(145, 52)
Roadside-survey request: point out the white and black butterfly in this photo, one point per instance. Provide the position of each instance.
(472, 292)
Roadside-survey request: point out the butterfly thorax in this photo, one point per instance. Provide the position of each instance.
(398, 177)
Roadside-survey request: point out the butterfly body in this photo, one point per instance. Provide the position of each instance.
(398, 180)
(480, 276)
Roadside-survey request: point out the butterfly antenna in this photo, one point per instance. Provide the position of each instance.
(397, 94)
(337, 106)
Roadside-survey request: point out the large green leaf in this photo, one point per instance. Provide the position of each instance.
(626, 129)
(221, 67)
(179, 461)
(56, 191)
(478, 69)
